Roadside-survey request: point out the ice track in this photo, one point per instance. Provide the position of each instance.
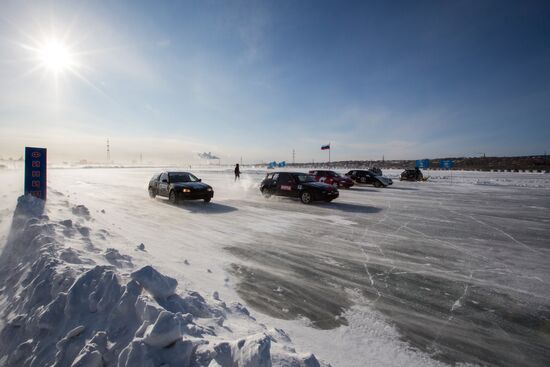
(417, 274)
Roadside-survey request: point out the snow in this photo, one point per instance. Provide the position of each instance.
(158, 285)
(57, 311)
(418, 274)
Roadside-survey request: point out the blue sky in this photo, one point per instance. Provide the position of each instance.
(257, 79)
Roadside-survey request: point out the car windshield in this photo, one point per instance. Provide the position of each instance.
(302, 177)
(182, 177)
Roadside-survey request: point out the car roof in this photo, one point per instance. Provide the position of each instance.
(178, 172)
(290, 173)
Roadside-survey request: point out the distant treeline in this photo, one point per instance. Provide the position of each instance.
(533, 163)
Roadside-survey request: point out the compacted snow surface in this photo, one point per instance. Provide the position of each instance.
(418, 274)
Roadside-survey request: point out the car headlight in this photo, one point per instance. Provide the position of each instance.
(186, 190)
(209, 189)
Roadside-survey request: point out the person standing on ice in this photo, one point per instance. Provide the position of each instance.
(237, 172)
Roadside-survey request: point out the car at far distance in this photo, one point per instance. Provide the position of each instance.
(178, 186)
(413, 174)
(332, 178)
(369, 177)
(298, 185)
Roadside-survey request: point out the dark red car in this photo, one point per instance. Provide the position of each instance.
(332, 178)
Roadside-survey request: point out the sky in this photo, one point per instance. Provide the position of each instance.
(259, 79)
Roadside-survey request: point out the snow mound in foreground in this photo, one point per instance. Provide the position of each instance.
(60, 313)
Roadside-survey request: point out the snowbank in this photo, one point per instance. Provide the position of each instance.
(60, 308)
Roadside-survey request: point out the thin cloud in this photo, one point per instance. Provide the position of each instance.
(163, 43)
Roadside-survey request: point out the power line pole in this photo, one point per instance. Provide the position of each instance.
(293, 156)
(108, 151)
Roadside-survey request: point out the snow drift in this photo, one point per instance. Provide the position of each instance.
(60, 308)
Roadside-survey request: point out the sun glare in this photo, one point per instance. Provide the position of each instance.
(55, 56)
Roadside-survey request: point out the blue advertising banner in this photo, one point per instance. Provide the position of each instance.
(446, 164)
(35, 172)
(274, 164)
(422, 163)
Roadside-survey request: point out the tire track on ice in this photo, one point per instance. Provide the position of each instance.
(366, 256)
(505, 234)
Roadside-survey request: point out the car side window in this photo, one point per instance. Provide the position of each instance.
(275, 176)
(163, 176)
(284, 178)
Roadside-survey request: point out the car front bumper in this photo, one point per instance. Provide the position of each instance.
(328, 195)
(196, 195)
(345, 184)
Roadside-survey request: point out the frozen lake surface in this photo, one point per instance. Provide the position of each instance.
(416, 274)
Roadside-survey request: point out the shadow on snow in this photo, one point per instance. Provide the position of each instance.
(198, 206)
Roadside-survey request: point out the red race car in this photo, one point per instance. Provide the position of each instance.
(332, 178)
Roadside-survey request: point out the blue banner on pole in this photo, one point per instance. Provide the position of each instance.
(446, 163)
(274, 164)
(422, 163)
(35, 172)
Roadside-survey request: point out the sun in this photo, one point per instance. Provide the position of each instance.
(58, 60)
(55, 56)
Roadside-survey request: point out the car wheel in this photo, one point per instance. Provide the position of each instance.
(207, 200)
(305, 197)
(152, 193)
(173, 198)
(377, 184)
(266, 194)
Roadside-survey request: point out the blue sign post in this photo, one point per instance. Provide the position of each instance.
(446, 164)
(274, 164)
(422, 163)
(35, 172)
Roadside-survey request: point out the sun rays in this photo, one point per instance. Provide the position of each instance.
(55, 56)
